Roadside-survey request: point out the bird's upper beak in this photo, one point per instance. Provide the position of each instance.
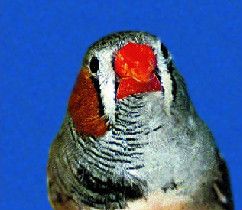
(135, 66)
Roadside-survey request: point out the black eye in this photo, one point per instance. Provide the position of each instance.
(94, 65)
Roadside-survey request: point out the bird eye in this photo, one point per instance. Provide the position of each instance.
(94, 65)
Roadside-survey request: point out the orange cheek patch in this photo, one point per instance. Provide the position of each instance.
(84, 107)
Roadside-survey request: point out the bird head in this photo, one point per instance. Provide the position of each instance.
(115, 68)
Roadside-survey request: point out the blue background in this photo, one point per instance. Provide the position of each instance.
(42, 44)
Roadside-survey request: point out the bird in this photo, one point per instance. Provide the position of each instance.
(131, 137)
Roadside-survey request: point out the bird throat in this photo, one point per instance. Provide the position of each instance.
(134, 121)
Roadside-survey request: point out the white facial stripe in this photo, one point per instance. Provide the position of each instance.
(165, 77)
(106, 76)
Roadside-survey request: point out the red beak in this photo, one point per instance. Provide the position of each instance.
(135, 64)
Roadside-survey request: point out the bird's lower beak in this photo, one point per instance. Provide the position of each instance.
(130, 86)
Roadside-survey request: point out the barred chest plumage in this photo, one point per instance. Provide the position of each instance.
(131, 132)
(146, 150)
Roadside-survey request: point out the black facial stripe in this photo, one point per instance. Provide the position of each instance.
(170, 69)
(116, 86)
(116, 77)
(164, 51)
(157, 74)
(97, 87)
